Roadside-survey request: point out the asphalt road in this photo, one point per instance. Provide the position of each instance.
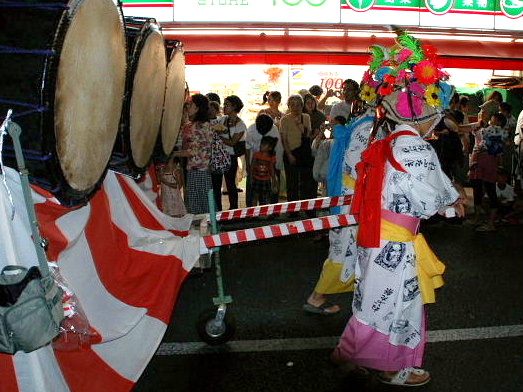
(475, 328)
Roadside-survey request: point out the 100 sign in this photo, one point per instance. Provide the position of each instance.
(314, 3)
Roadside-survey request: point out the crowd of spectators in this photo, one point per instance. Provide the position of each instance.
(480, 151)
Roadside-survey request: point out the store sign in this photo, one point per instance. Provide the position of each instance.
(460, 13)
(439, 7)
(512, 8)
(300, 11)
(480, 14)
(375, 12)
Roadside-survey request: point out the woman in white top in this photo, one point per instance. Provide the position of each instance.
(232, 132)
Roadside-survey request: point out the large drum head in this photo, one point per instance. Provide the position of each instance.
(174, 100)
(147, 97)
(89, 91)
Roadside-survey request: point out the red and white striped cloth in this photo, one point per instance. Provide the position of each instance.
(124, 259)
(279, 230)
(282, 208)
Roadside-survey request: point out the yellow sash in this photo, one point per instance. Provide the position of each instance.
(430, 268)
(349, 181)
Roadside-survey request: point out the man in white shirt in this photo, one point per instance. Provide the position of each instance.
(351, 91)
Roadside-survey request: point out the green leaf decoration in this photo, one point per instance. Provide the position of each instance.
(409, 42)
(377, 57)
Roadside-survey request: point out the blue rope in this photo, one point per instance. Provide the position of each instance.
(48, 6)
(18, 103)
(39, 109)
(12, 49)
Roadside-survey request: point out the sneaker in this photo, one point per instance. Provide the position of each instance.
(485, 228)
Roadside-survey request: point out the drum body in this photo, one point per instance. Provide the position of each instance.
(76, 92)
(144, 97)
(174, 96)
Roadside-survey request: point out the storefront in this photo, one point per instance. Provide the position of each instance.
(247, 47)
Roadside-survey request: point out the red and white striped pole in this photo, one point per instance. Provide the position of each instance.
(282, 208)
(272, 231)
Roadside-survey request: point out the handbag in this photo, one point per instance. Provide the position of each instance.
(220, 158)
(303, 153)
(30, 301)
(239, 147)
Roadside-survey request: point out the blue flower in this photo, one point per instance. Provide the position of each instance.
(380, 73)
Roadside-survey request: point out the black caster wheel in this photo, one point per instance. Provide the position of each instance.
(212, 332)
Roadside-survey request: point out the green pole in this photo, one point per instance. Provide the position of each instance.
(221, 298)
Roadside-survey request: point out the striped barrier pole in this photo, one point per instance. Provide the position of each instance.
(282, 208)
(272, 231)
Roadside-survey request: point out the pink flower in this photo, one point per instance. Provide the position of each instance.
(404, 106)
(402, 76)
(404, 55)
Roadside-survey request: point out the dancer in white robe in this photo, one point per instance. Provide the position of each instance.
(337, 275)
(400, 182)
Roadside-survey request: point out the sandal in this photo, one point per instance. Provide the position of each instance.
(403, 377)
(322, 309)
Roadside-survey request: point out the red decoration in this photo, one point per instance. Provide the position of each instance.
(274, 74)
(388, 85)
(426, 72)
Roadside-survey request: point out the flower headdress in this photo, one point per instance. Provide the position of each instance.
(407, 80)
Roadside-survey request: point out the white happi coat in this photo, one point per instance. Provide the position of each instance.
(342, 240)
(387, 295)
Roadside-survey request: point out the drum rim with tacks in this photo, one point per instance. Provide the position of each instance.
(174, 97)
(145, 93)
(68, 143)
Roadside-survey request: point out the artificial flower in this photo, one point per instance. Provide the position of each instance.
(432, 95)
(402, 76)
(368, 93)
(410, 107)
(404, 55)
(430, 53)
(367, 76)
(382, 72)
(426, 72)
(388, 85)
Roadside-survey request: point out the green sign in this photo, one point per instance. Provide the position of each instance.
(314, 3)
(512, 8)
(439, 7)
(360, 5)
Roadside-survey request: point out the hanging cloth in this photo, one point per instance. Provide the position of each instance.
(342, 138)
(366, 204)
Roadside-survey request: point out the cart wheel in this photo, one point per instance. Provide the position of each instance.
(214, 333)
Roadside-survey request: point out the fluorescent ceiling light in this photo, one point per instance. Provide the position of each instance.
(464, 37)
(366, 34)
(221, 32)
(318, 33)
